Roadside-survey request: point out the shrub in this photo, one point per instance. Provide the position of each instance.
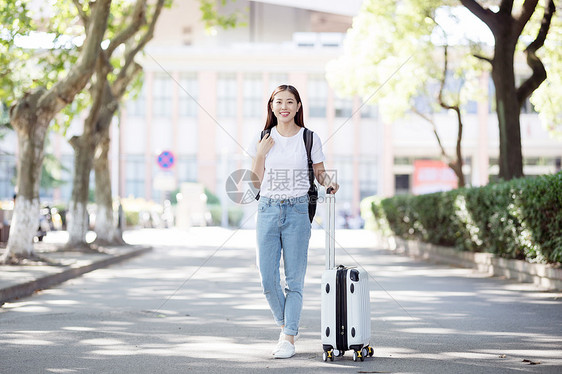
(367, 213)
(539, 208)
(235, 215)
(132, 218)
(520, 219)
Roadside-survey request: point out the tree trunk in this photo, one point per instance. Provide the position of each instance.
(84, 147)
(457, 168)
(458, 163)
(507, 106)
(31, 127)
(30, 117)
(106, 228)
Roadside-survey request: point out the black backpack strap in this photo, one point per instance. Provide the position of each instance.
(308, 142)
(268, 131)
(312, 191)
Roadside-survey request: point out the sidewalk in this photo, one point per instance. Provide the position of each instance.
(194, 305)
(21, 281)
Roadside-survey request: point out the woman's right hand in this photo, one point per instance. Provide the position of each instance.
(265, 145)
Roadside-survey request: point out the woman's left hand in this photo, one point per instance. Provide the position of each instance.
(334, 186)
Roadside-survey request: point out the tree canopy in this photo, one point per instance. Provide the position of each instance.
(393, 55)
(547, 99)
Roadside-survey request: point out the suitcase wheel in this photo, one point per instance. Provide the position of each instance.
(358, 355)
(371, 351)
(365, 351)
(328, 355)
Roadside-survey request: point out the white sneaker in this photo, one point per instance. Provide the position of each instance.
(281, 340)
(286, 350)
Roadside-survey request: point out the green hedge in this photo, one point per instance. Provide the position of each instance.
(235, 215)
(519, 219)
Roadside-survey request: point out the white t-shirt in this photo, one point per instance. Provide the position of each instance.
(286, 166)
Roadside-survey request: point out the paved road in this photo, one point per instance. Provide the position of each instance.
(194, 305)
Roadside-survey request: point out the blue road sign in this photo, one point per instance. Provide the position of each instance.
(166, 160)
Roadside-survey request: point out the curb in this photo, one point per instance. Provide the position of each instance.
(28, 288)
(545, 276)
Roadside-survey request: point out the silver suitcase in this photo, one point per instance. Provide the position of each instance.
(345, 310)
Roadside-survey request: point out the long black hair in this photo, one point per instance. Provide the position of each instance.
(271, 119)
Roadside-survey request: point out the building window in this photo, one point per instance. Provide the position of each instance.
(343, 167)
(343, 107)
(317, 96)
(59, 175)
(137, 104)
(134, 176)
(67, 175)
(162, 99)
(528, 107)
(471, 107)
(305, 39)
(227, 91)
(491, 95)
(276, 80)
(253, 100)
(403, 161)
(423, 104)
(402, 184)
(368, 176)
(7, 176)
(224, 162)
(369, 111)
(318, 39)
(188, 95)
(187, 168)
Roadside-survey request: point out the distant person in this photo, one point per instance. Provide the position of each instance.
(283, 225)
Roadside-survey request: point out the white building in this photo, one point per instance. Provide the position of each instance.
(205, 93)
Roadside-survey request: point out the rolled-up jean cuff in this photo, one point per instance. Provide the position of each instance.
(286, 331)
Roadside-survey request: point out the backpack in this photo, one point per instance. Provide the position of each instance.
(312, 191)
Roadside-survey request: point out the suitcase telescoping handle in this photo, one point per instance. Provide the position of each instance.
(331, 230)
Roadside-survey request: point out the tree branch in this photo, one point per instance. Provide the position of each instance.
(81, 13)
(443, 78)
(432, 122)
(457, 164)
(111, 97)
(63, 92)
(119, 87)
(142, 42)
(98, 88)
(524, 16)
(138, 19)
(506, 7)
(484, 58)
(539, 72)
(484, 14)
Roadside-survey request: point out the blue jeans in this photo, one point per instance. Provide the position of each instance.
(283, 227)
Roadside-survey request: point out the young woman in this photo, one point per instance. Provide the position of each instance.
(283, 226)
